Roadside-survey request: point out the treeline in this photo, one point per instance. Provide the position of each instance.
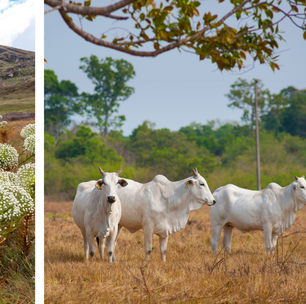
(222, 155)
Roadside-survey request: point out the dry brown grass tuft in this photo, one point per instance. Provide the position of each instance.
(13, 133)
(190, 275)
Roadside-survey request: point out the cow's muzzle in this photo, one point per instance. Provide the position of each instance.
(213, 203)
(111, 199)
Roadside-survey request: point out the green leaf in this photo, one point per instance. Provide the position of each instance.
(304, 35)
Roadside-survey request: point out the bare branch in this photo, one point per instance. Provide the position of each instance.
(52, 9)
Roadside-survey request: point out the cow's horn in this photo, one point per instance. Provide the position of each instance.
(195, 172)
(119, 171)
(296, 178)
(101, 171)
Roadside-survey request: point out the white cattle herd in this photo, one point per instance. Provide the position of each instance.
(101, 208)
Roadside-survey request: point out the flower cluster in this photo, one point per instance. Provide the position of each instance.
(8, 156)
(29, 143)
(28, 130)
(25, 177)
(16, 197)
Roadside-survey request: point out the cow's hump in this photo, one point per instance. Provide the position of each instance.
(160, 179)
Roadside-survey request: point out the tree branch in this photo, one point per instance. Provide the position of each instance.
(124, 49)
(87, 10)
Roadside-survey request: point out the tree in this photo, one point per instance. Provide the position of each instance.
(242, 96)
(184, 24)
(109, 77)
(287, 112)
(61, 101)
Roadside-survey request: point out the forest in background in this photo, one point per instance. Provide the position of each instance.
(222, 153)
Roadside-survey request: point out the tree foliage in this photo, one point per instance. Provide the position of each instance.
(222, 155)
(242, 96)
(287, 112)
(109, 77)
(61, 101)
(185, 24)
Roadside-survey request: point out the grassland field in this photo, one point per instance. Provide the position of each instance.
(190, 275)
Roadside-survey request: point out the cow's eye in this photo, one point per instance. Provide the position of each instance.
(202, 185)
(302, 187)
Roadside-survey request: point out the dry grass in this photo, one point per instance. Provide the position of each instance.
(13, 134)
(190, 275)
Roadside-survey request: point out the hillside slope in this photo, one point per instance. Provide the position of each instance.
(17, 80)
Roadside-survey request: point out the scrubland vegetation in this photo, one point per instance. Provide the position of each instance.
(224, 155)
(190, 275)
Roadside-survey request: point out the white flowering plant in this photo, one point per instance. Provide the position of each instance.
(8, 157)
(17, 193)
(29, 143)
(16, 202)
(28, 130)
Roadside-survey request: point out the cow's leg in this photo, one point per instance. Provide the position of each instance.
(111, 239)
(274, 242)
(91, 245)
(148, 238)
(117, 237)
(86, 249)
(227, 238)
(163, 247)
(101, 246)
(215, 237)
(268, 237)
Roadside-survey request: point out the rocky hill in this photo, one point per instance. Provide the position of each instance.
(17, 80)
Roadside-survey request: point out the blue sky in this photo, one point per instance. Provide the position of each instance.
(17, 24)
(173, 89)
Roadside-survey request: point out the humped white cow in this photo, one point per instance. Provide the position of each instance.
(97, 211)
(272, 210)
(161, 207)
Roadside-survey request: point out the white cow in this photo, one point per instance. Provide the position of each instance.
(97, 211)
(161, 207)
(272, 210)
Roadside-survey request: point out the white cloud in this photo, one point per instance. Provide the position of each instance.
(4, 4)
(15, 19)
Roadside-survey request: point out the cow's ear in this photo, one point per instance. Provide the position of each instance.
(296, 178)
(99, 184)
(119, 171)
(189, 182)
(122, 182)
(294, 185)
(303, 176)
(101, 171)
